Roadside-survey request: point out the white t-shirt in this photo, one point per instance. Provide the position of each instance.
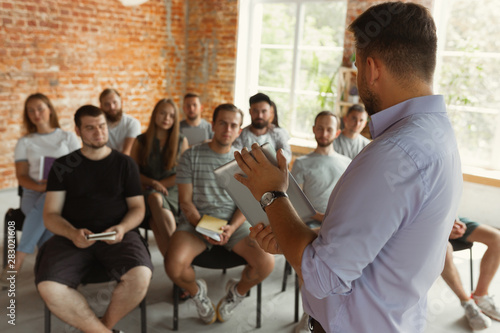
(129, 127)
(32, 147)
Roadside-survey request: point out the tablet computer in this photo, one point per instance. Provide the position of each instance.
(246, 202)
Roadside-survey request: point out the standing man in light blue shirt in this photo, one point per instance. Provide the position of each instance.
(382, 243)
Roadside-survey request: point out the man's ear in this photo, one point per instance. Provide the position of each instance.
(77, 131)
(337, 134)
(372, 70)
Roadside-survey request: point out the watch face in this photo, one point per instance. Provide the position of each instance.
(267, 198)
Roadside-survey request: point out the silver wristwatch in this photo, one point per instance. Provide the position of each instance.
(269, 197)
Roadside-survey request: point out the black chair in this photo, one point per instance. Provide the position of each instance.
(217, 258)
(287, 271)
(459, 246)
(99, 275)
(14, 219)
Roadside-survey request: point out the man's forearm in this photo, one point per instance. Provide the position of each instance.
(58, 225)
(292, 234)
(237, 219)
(191, 212)
(132, 219)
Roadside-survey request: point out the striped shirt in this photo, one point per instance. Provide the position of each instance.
(196, 167)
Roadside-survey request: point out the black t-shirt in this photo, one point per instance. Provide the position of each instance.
(95, 190)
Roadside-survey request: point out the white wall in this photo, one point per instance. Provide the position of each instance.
(481, 203)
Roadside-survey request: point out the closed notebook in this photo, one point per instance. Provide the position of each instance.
(45, 165)
(210, 226)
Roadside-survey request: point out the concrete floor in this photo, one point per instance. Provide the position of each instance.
(445, 314)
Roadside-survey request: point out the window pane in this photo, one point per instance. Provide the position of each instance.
(306, 108)
(475, 134)
(317, 68)
(324, 23)
(282, 101)
(275, 68)
(278, 23)
(477, 21)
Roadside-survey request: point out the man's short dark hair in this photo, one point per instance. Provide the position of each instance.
(355, 108)
(328, 113)
(191, 95)
(260, 97)
(108, 91)
(402, 35)
(227, 107)
(86, 110)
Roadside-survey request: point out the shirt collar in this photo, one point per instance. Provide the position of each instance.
(382, 120)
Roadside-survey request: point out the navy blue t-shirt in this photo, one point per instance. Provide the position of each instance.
(95, 190)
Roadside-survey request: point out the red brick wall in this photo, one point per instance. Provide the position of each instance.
(212, 30)
(71, 50)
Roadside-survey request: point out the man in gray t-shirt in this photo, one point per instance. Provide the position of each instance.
(318, 172)
(350, 142)
(199, 194)
(194, 128)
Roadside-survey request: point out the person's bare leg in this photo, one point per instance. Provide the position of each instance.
(491, 258)
(129, 292)
(162, 222)
(451, 277)
(260, 264)
(182, 249)
(70, 306)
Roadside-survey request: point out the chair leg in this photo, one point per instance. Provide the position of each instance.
(297, 295)
(176, 307)
(144, 328)
(47, 318)
(286, 272)
(259, 304)
(471, 272)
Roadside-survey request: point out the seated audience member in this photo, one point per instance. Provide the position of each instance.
(156, 152)
(122, 128)
(199, 194)
(92, 190)
(478, 306)
(274, 110)
(45, 138)
(262, 130)
(350, 142)
(318, 172)
(192, 110)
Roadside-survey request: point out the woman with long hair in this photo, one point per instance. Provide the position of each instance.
(44, 140)
(157, 151)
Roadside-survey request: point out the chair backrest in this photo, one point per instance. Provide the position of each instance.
(218, 258)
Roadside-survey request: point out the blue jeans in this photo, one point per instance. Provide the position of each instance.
(34, 232)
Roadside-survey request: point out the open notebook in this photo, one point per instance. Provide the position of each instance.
(246, 202)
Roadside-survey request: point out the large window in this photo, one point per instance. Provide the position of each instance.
(468, 75)
(290, 50)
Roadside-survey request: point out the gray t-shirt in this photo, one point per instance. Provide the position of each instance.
(318, 175)
(128, 127)
(196, 166)
(276, 136)
(197, 134)
(350, 147)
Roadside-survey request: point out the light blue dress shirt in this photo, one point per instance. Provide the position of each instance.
(383, 240)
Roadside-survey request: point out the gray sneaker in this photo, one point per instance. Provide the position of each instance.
(205, 307)
(487, 306)
(477, 320)
(225, 308)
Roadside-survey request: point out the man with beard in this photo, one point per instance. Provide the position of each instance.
(350, 141)
(91, 190)
(318, 172)
(195, 128)
(122, 128)
(261, 130)
(382, 243)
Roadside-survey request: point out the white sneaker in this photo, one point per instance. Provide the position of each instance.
(303, 325)
(487, 306)
(477, 320)
(226, 306)
(204, 305)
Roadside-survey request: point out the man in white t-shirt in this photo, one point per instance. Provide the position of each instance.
(194, 127)
(262, 129)
(350, 142)
(122, 128)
